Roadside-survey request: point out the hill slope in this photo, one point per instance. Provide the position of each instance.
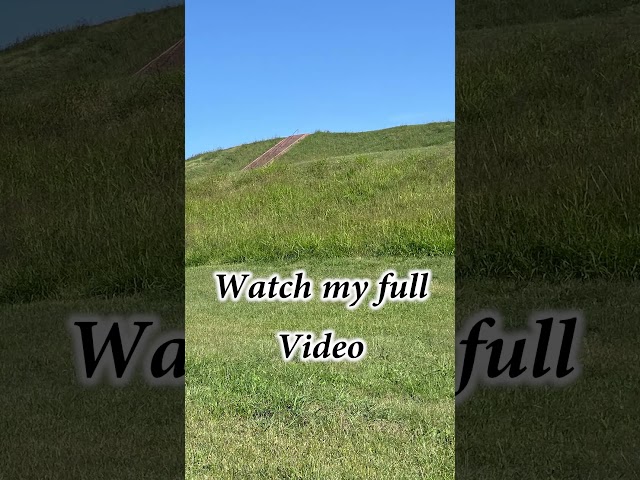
(92, 158)
(388, 192)
(547, 188)
(110, 50)
(549, 139)
(322, 145)
(338, 206)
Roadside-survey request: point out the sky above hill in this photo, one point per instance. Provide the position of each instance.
(21, 19)
(258, 70)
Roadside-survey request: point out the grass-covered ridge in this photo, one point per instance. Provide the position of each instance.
(389, 192)
(92, 159)
(111, 50)
(322, 145)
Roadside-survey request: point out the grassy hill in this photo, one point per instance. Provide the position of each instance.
(91, 160)
(322, 145)
(549, 139)
(548, 217)
(111, 50)
(387, 192)
(92, 192)
(337, 205)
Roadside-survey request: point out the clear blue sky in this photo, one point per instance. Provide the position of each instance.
(257, 69)
(24, 18)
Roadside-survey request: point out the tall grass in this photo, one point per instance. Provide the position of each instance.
(547, 189)
(548, 147)
(399, 202)
(92, 183)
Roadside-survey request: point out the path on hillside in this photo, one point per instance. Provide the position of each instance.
(275, 151)
(171, 57)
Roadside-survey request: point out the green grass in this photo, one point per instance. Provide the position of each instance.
(482, 14)
(92, 195)
(111, 50)
(547, 217)
(389, 416)
(92, 159)
(360, 194)
(336, 204)
(226, 160)
(584, 431)
(548, 139)
(55, 428)
(323, 145)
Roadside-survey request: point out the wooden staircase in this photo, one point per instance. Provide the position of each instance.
(173, 57)
(275, 151)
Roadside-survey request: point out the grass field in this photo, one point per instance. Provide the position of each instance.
(55, 428)
(548, 139)
(336, 205)
(584, 431)
(250, 415)
(547, 216)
